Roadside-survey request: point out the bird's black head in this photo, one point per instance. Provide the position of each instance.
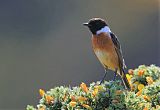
(95, 24)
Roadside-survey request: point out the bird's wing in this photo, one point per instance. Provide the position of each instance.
(119, 52)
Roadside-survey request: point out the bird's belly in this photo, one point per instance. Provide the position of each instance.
(102, 56)
(105, 51)
(107, 59)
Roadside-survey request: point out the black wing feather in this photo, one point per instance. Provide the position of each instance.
(122, 65)
(117, 45)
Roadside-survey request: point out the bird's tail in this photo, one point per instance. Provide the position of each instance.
(125, 80)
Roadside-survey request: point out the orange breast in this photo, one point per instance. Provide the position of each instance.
(105, 51)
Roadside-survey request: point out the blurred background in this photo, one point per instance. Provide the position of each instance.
(43, 43)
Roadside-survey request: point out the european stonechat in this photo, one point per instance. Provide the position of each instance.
(107, 48)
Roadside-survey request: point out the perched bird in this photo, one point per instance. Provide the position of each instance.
(107, 48)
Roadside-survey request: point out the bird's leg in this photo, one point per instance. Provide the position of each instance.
(109, 92)
(104, 76)
(115, 74)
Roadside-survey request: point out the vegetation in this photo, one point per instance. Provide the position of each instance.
(144, 94)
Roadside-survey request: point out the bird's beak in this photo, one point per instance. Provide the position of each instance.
(86, 24)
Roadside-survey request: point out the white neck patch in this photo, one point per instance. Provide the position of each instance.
(106, 29)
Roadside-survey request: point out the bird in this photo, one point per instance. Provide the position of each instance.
(107, 49)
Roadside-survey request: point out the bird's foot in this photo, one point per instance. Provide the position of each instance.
(114, 78)
(115, 74)
(101, 81)
(103, 77)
